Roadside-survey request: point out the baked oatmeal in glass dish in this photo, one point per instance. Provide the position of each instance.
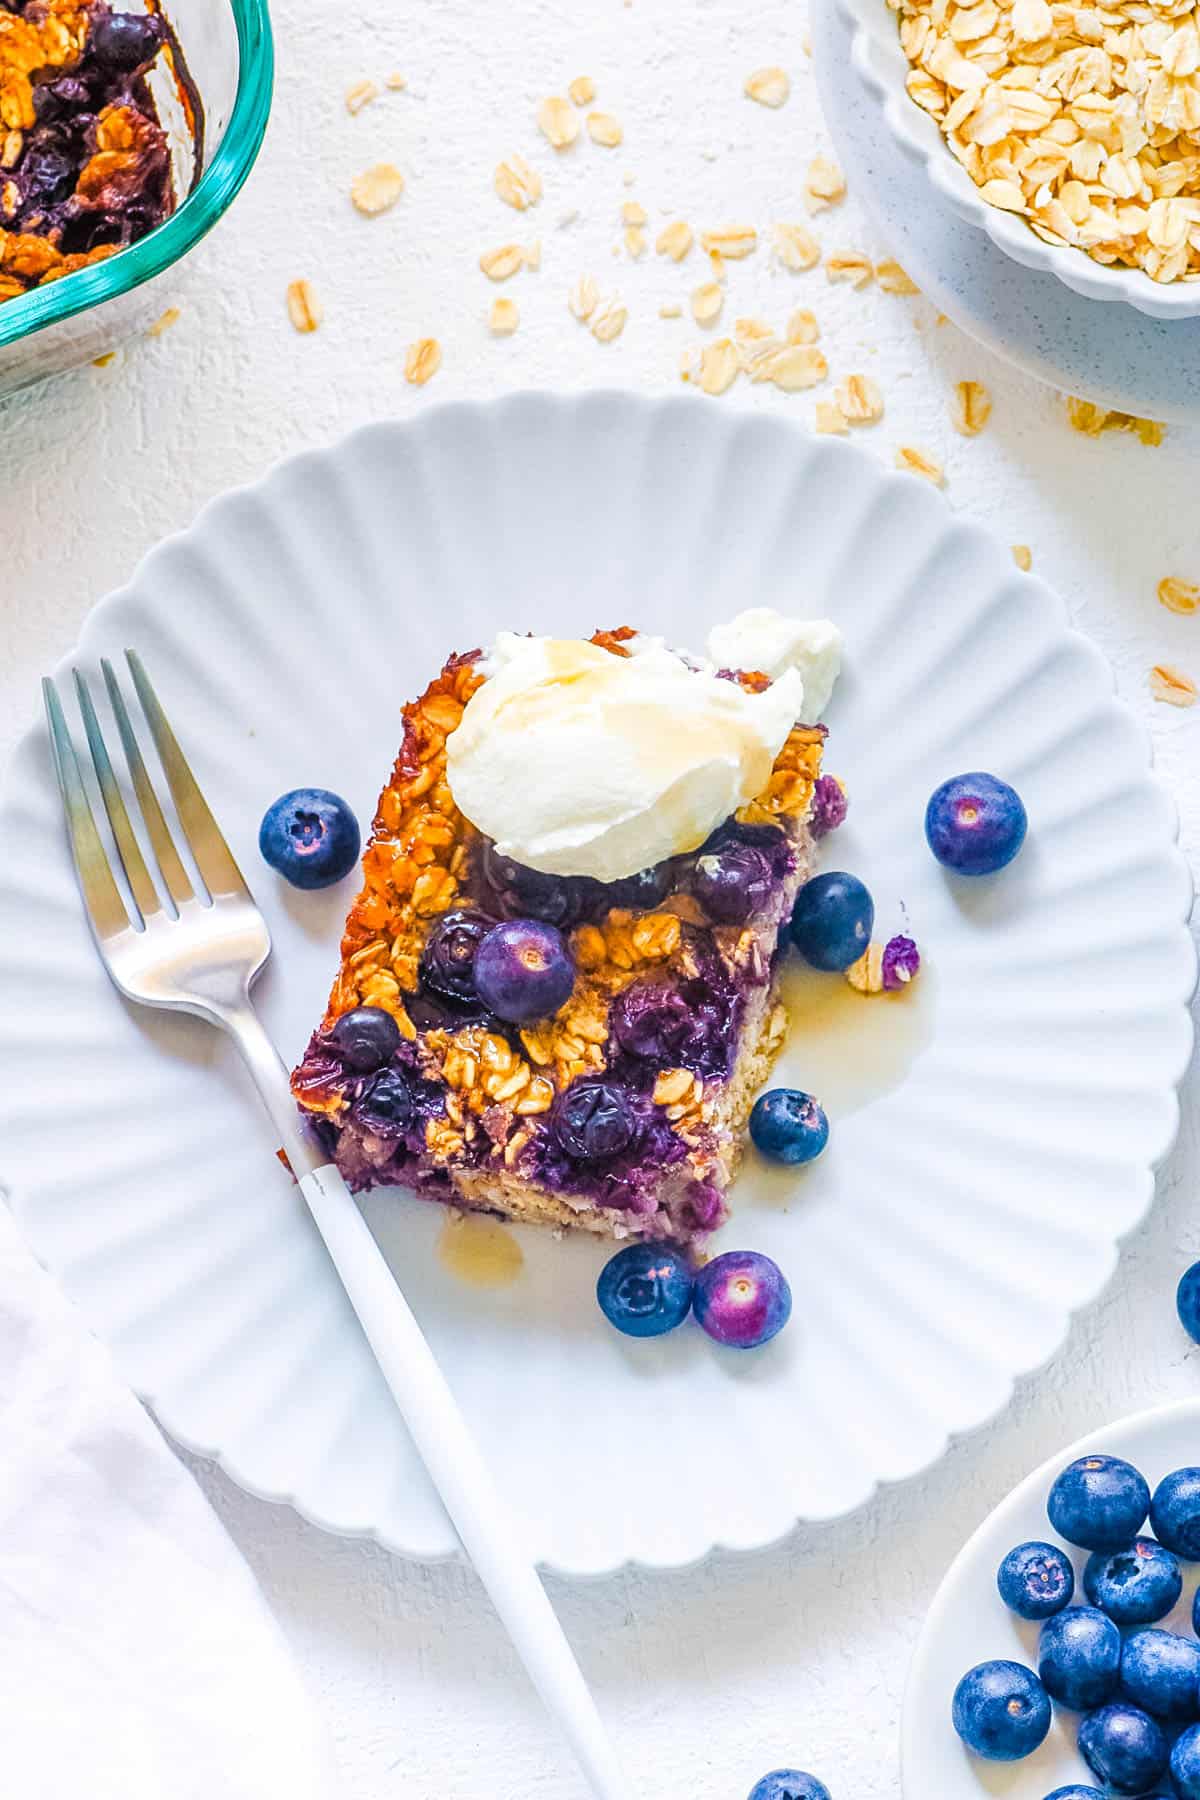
(85, 167)
(557, 993)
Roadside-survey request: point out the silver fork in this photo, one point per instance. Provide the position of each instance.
(200, 953)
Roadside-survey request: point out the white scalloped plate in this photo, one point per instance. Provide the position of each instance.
(1007, 1127)
(968, 1622)
(879, 58)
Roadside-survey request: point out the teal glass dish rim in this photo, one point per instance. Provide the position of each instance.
(152, 255)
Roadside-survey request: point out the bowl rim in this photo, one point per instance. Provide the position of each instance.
(880, 60)
(232, 162)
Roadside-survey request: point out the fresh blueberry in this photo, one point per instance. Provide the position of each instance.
(901, 963)
(645, 1289)
(742, 1299)
(366, 1038)
(524, 971)
(1076, 1792)
(1160, 1671)
(1124, 1747)
(832, 920)
(595, 1121)
(1099, 1503)
(788, 1126)
(385, 1107)
(124, 41)
(1036, 1580)
(1187, 1302)
(733, 883)
(1001, 1711)
(789, 1784)
(975, 824)
(448, 958)
(1175, 1513)
(1079, 1657)
(1136, 1586)
(1185, 1763)
(310, 837)
(829, 806)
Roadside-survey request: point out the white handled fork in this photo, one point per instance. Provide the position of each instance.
(164, 944)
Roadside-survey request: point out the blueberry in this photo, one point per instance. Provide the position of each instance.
(366, 1038)
(386, 1106)
(1079, 1658)
(47, 176)
(1075, 1792)
(733, 883)
(742, 1299)
(1036, 1580)
(524, 971)
(1136, 1586)
(832, 920)
(1175, 1513)
(829, 806)
(651, 1020)
(124, 41)
(641, 892)
(1185, 1763)
(789, 1784)
(1124, 1747)
(1187, 1302)
(1160, 1672)
(1099, 1503)
(448, 958)
(529, 894)
(645, 1290)
(788, 1126)
(595, 1121)
(975, 824)
(1001, 1711)
(310, 837)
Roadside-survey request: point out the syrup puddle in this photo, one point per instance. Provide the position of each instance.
(480, 1251)
(846, 1048)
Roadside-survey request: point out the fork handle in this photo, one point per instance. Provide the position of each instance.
(461, 1476)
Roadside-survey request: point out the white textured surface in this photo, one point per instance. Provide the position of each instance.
(721, 1672)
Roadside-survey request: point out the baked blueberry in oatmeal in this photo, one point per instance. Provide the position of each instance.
(85, 168)
(578, 1043)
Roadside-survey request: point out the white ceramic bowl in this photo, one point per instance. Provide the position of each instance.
(880, 60)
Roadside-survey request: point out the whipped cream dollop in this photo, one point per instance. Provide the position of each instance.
(765, 640)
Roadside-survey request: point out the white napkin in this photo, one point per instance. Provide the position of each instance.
(137, 1657)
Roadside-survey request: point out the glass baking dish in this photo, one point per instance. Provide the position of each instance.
(227, 48)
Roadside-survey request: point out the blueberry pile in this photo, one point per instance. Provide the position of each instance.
(741, 1299)
(1105, 1657)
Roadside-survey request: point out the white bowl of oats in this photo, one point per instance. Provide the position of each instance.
(1070, 134)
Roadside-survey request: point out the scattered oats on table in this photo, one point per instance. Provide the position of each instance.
(1091, 421)
(360, 94)
(164, 322)
(859, 400)
(670, 309)
(609, 322)
(770, 87)
(517, 184)
(1022, 555)
(893, 279)
(634, 213)
(1172, 686)
(303, 308)
(500, 264)
(851, 266)
(558, 122)
(636, 241)
(825, 185)
(1178, 596)
(674, 240)
(830, 420)
(582, 90)
(731, 242)
(583, 298)
(971, 408)
(802, 327)
(792, 367)
(422, 361)
(604, 130)
(796, 247)
(707, 301)
(719, 364)
(919, 462)
(377, 189)
(503, 318)
(395, 81)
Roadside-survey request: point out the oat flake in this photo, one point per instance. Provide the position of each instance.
(1178, 596)
(1172, 686)
(377, 189)
(919, 462)
(1022, 555)
(303, 308)
(770, 87)
(718, 366)
(558, 122)
(971, 409)
(796, 247)
(422, 361)
(603, 129)
(707, 301)
(503, 318)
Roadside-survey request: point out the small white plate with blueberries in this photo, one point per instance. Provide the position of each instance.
(1061, 1657)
